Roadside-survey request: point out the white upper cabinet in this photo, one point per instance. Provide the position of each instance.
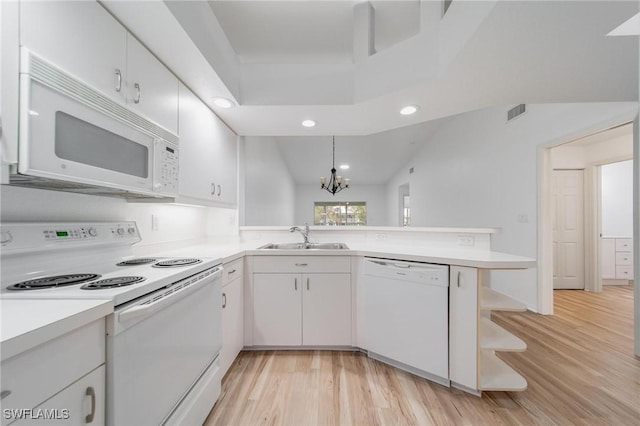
(81, 38)
(208, 154)
(84, 40)
(151, 89)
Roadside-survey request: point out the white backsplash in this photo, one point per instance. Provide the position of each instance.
(176, 222)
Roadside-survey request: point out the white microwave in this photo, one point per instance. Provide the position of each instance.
(73, 138)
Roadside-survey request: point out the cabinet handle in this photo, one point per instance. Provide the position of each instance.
(92, 393)
(213, 188)
(458, 279)
(307, 283)
(4, 394)
(231, 272)
(219, 190)
(118, 80)
(295, 284)
(301, 264)
(224, 300)
(136, 100)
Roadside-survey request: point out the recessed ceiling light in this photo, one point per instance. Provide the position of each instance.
(308, 123)
(408, 110)
(344, 166)
(222, 102)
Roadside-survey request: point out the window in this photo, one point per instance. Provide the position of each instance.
(345, 213)
(406, 211)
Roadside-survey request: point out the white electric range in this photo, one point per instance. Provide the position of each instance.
(164, 338)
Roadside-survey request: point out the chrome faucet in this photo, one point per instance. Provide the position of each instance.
(304, 232)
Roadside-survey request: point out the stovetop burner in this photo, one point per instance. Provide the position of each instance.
(173, 263)
(137, 261)
(53, 281)
(112, 282)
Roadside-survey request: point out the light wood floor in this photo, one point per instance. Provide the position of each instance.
(579, 366)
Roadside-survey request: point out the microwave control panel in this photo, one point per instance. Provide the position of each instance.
(166, 168)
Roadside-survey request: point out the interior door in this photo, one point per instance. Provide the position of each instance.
(568, 229)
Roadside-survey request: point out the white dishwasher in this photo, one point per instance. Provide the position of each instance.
(406, 306)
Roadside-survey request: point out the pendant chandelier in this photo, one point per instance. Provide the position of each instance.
(335, 182)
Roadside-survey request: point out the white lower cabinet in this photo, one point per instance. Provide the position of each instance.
(232, 314)
(474, 339)
(301, 301)
(80, 403)
(326, 310)
(61, 381)
(616, 260)
(277, 310)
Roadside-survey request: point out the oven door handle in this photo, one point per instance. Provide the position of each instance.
(147, 309)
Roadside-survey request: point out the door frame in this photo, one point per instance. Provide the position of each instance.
(545, 216)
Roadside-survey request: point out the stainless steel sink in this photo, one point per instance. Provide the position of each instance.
(303, 246)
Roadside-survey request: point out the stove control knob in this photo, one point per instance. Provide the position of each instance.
(120, 231)
(132, 231)
(93, 232)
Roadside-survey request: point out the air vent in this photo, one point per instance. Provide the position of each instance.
(516, 111)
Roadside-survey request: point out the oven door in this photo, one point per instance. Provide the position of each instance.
(159, 346)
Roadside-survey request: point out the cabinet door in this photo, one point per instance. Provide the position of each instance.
(608, 258)
(152, 90)
(232, 323)
(80, 403)
(197, 150)
(277, 310)
(226, 163)
(463, 326)
(326, 303)
(81, 38)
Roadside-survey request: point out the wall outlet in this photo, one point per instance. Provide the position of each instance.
(155, 222)
(466, 241)
(523, 218)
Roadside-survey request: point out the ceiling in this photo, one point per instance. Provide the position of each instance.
(313, 32)
(373, 159)
(294, 60)
(286, 61)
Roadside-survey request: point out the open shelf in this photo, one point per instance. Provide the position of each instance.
(496, 338)
(491, 300)
(496, 375)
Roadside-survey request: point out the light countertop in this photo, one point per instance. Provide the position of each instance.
(27, 323)
(484, 259)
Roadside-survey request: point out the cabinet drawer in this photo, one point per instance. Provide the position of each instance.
(624, 258)
(624, 272)
(624, 244)
(233, 270)
(34, 376)
(301, 264)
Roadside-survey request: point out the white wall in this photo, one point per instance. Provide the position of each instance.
(617, 199)
(177, 222)
(373, 195)
(394, 209)
(269, 190)
(477, 170)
